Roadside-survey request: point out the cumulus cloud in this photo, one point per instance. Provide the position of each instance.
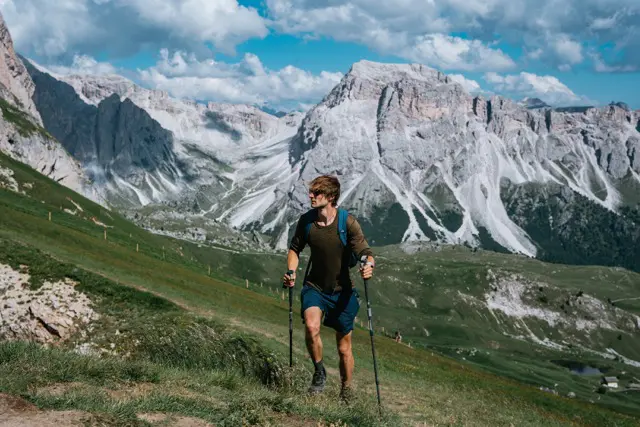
(406, 28)
(547, 88)
(456, 53)
(469, 85)
(553, 31)
(184, 76)
(567, 50)
(62, 28)
(84, 64)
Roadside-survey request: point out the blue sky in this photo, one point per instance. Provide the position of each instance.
(289, 53)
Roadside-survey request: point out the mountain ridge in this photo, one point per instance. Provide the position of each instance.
(419, 158)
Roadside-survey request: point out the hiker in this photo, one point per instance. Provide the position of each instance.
(327, 289)
(398, 337)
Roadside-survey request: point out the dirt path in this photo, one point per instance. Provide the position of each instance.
(17, 412)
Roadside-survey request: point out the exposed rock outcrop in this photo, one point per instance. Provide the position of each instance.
(49, 314)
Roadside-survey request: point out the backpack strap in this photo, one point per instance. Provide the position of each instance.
(342, 225)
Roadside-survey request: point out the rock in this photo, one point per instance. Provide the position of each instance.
(571, 395)
(16, 86)
(35, 318)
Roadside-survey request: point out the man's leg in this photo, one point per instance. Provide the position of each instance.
(346, 358)
(312, 319)
(346, 309)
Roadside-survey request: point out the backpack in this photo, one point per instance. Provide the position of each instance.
(311, 216)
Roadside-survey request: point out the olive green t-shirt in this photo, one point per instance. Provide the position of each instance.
(329, 259)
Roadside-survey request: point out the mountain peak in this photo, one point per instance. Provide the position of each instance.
(371, 70)
(533, 103)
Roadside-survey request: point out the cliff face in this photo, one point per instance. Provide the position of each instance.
(22, 136)
(16, 86)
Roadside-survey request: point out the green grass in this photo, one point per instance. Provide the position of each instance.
(21, 120)
(166, 349)
(209, 347)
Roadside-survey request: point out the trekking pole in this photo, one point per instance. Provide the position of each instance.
(363, 260)
(290, 272)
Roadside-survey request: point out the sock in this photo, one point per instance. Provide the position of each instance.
(318, 365)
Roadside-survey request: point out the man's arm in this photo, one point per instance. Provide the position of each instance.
(360, 246)
(293, 257)
(357, 241)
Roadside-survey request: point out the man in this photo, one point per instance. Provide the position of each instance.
(328, 289)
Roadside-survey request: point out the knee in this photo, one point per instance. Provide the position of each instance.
(344, 349)
(313, 329)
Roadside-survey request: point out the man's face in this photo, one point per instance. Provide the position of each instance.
(318, 199)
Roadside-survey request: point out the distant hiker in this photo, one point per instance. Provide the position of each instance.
(337, 242)
(398, 337)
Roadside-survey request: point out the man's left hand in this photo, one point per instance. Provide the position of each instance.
(366, 271)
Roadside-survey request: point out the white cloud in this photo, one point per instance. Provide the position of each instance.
(406, 28)
(548, 88)
(84, 64)
(469, 85)
(602, 67)
(184, 76)
(604, 23)
(553, 31)
(569, 51)
(65, 27)
(455, 53)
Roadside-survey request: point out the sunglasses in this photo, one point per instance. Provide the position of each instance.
(316, 193)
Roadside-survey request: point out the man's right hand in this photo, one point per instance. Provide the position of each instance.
(289, 279)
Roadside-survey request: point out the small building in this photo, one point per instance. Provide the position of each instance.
(611, 382)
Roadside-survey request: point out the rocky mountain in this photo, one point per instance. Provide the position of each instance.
(21, 133)
(408, 138)
(534, 103)
(145, 147)
(418, 157)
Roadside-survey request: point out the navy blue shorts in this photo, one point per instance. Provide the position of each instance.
(339, 309)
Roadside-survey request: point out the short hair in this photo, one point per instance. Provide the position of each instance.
(327, 185)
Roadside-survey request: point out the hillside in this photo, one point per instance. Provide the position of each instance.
(134, 276)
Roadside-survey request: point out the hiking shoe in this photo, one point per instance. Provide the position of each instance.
(347, 395)
(317, 383)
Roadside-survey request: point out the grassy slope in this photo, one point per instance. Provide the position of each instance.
(417, 384)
